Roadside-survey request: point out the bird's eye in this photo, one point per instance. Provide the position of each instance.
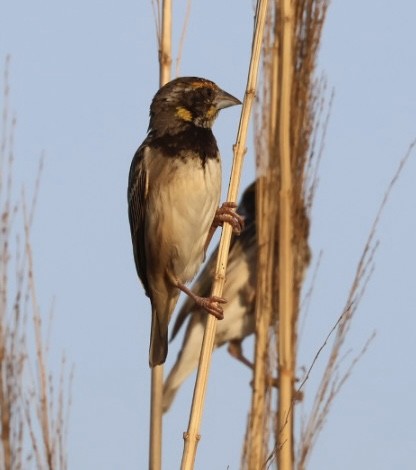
(209, 92)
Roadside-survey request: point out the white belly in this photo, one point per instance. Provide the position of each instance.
(182, 205)
(239, 311)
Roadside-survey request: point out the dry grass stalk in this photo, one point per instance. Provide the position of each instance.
(163, 17)
(165, 50)
(12, 354)
(40, 351)
(182, 38)
(286, 314)
(51, 418)
(191, 437)
(258, 429)
(33, 428)
(258, 432)
(162, 12)
(332, 378)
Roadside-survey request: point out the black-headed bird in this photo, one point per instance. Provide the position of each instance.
(173, 199)
(239, 289)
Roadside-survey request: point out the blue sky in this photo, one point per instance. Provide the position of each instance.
(82, 77)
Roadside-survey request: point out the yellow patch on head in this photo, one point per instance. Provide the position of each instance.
(212, 112)
(183, 113)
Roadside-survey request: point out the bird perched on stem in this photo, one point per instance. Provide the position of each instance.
(239, 289)
(173, 199)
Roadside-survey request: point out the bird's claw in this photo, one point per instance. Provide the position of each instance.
(227, 213)
(210, 305)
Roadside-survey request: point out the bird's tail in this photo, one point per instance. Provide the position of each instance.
(186, 362)
(162, 308)
(158, 340)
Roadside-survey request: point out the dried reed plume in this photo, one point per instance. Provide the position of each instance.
(33, 424)
(332, 378)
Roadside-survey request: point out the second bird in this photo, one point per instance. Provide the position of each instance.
(240, 289)
(173, 197)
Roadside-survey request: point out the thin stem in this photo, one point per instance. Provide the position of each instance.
(165, 53)
(182, 38)
(286, 278)
(266, 213)
(155, 440)
(41, 361)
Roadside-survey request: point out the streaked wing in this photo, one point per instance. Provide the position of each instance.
(136, 196)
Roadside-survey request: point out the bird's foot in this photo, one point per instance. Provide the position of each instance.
(235, 349)
(227, 213)
(209, 304)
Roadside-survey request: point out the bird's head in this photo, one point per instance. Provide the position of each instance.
(247, 206)
(187, 101)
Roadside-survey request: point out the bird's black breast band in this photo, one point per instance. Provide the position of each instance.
(195, 140)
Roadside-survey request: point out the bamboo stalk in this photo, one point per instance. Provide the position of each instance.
(156, 398)
(286, 301)
(191, 436)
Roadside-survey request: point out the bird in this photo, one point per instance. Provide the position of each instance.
(174, 189)
(239, 316)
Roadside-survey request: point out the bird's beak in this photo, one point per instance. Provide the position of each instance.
(225, 100)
